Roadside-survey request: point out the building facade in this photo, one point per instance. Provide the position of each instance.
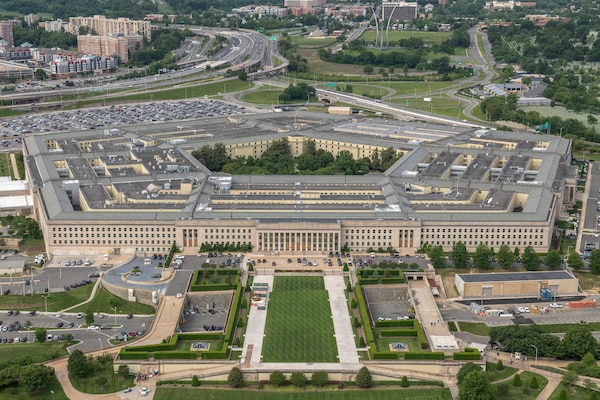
(103, 26)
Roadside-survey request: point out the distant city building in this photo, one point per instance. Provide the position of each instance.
(71, 65)
(6, 31)
(355, 10)
(31, 19)
(542, 20)
(103, 26)
(304, 3)
(398, 11)
(121, 45)
(15, 54)
(55, 26)
(261, 11)
(501, 5)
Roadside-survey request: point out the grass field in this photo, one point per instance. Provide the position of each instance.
(103, 368)
(312, 43)
(573, 392)
(495, 375)
(299, 326)
(52, 391)
(431, 37)
(6, 168)
(56, 301)
(558, 111)
(476, 328)
(37, 352)
(104, 301)
(285, 393)
(525, 392)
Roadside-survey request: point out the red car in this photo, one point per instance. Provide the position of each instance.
(132, 334)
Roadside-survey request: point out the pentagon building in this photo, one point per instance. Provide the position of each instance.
(136, 190)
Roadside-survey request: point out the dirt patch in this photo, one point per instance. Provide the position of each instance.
(449, 288)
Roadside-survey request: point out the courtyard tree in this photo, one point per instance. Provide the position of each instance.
(595, 261)
(574, 261)
(319, 378)
(465, 369)
(505, 256)
(277, 378)
(553, 260)
(78, 365)
(483, 257)
(123, 371)
(298, 379)
(235, 378)
(364, 378)
(530, 259)
(578, 341)
(35, 376)
(475, 386)
(436, 256)
(40, 335)
(89, 317)
(460, 257)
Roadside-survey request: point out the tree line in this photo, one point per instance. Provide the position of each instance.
(278, 160)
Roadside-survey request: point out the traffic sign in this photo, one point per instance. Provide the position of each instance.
(332, 84)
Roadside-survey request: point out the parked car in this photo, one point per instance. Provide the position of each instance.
(556, 305)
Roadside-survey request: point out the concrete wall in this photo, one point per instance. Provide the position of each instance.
(519, 288)
(143, 296)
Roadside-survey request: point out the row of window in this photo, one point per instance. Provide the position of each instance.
(109, 235)
(426, 238)
(481, 230)
(227, 230)
(109, 242)
(110, 229)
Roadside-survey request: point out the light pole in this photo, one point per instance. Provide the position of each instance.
(115, 309)
(536, 353)
(46, 301)
(101, 347)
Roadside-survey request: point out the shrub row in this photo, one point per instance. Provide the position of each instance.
(368, 281)
(392, 280)
(467, 356)
(174, 355)
(395, 322)
(213, 287)
(133, 355)
(364, 316)
(417, 355)
(172, 382)
(420, 335)
(385, 355)
(399, 332)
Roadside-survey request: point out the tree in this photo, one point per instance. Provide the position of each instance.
(404, 382)
(235, 378)
(195, 381)
(505, 256)
(277, 378)
(483, 257)
(516, 381)
(530, 259)
(578, 341)
(553, 260)
(78, 365)
(436, 256)
(534, 383)
(39, 74)
(465, 370)
(574, 261)
(319, 378)
(101, 381)
(35, 376)
(364, 378)
(569, 378)
(123, 371)
(460, 257)
(368, 69)
(475, 386)
(298, 379)
(40, 335)
(594, 261)
(499, 365)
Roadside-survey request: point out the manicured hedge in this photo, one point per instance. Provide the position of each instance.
(217, 355)
(368, 273)
(421, 335)
(399, 332)
(392, 280)
(368, 281)
(175, 355)
(364, 314)
(133, 355)
(417, 355)
(198, 336)
(196, 286)
(211, 288)
(395, 322)
(385, 355)
(466, 356)
(170, 346)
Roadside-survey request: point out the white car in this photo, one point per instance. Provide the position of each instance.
(526, 309)
(93, 328)
(556, 305)
(58, 315)
(521, 309)
(144, 391)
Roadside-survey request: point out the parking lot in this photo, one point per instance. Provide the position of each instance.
(110, 117)
(388, 303)
(205, 312)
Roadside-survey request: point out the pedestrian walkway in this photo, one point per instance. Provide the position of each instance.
(253, 341)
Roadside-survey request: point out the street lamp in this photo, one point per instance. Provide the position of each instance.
(115, 309)
(46, 301)
(536, 353)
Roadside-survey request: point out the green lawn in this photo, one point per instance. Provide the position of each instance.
(56, 302)
(104, 301)
(524, 391)
(163, 393)
(494, 375)
(52, 391)
(264, 95)
(476, 328)
(6, 168)
(299, 326)
(383, 344)
(37, 352)
(431, 37)
(573, 392)
(102, 368)
(312, 43)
